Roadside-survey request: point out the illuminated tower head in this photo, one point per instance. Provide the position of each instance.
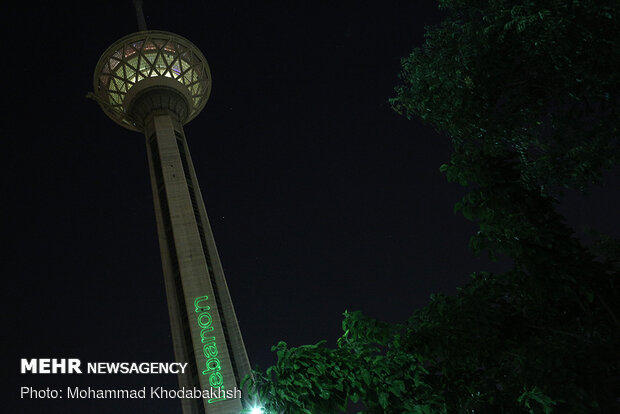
(151, 71)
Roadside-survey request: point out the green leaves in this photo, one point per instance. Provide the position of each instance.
(536, 401)
(369, 365)
(533, 78)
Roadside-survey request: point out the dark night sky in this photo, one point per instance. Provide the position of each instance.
(321, 197)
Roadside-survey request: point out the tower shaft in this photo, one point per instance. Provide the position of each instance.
(205, 330)
(155, 82)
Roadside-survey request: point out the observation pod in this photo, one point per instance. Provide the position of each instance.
(151, 70)
(155, 82)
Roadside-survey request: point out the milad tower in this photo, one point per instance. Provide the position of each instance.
(154, 82)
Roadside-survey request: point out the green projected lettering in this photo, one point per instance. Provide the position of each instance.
(212, 365)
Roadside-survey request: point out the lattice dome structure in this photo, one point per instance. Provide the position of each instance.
(149, 60)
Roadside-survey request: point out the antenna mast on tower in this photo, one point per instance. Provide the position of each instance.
(140, 14)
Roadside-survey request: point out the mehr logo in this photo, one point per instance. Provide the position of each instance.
(51, 366)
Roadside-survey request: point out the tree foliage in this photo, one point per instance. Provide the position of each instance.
(528, 93)
(370, 364)
(534, 78)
